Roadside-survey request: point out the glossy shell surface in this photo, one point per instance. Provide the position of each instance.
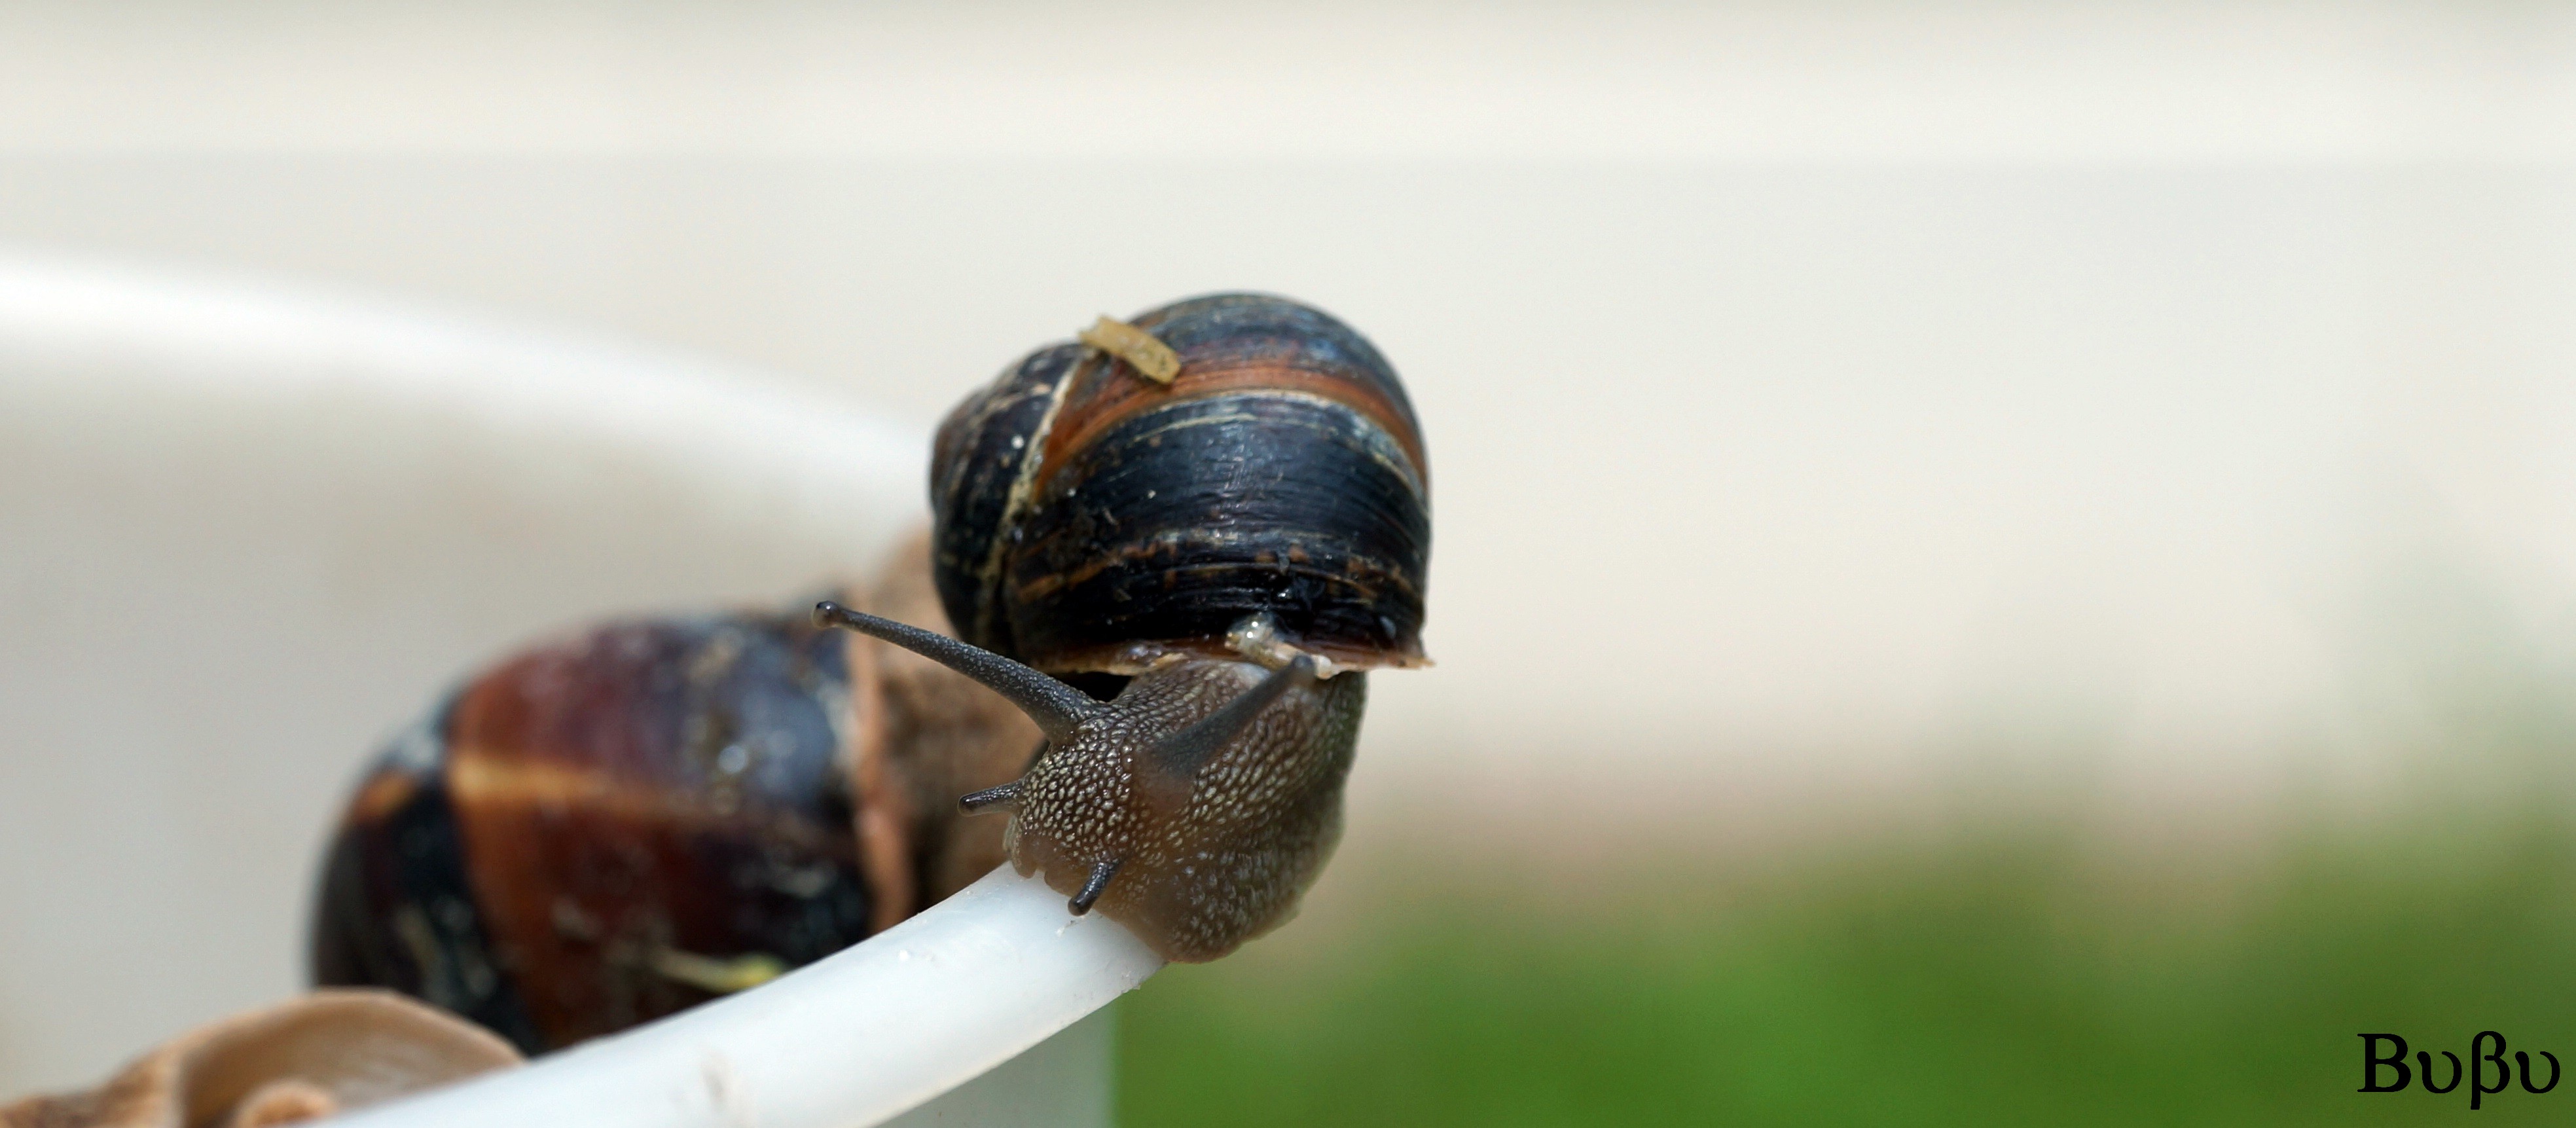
(1091, 520)
(576, 838)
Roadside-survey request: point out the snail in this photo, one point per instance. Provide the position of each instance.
(1243, 542)
(632, 819)
(1169, 550)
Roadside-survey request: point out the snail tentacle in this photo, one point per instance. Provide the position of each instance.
(1185, 750)
(1057, 708)
(1097, 885)
(1003, 798)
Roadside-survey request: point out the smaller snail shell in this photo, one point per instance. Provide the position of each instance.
(603, 829)
(625, 821)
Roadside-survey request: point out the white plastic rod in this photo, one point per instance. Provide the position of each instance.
(848, 1041)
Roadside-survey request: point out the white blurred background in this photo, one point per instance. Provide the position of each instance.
(1824, 400)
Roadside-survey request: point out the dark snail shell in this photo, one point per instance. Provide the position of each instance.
(572, 833)
(1088, 519)
(625, 823)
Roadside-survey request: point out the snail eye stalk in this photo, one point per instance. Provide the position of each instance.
(1003, 798)
(1185, 750)
(1057, 708)
(1097, 885)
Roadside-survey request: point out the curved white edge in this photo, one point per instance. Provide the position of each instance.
(275, 352)
(851, 1040)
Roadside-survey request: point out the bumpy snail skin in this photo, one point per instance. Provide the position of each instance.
(1208, 855)
(1195, 808)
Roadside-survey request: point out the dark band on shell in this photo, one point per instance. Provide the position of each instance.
(396, 907)
(1091, 520)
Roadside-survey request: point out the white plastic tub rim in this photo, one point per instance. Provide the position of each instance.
(248, 530)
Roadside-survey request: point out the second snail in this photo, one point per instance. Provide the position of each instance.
(1130, 657)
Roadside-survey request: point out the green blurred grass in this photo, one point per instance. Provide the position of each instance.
(2021, 972)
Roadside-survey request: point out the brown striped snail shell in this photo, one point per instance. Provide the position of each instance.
(1240, 544)
(632, 819)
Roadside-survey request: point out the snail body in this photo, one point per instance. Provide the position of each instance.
(1211, 845)
(1194, 808)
